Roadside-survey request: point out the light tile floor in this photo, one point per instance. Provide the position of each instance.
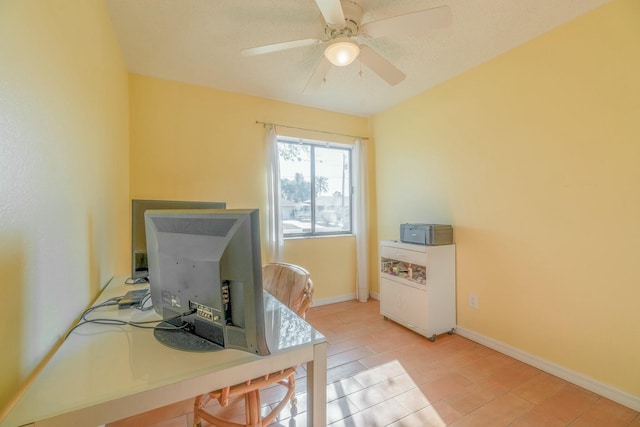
(381, 374)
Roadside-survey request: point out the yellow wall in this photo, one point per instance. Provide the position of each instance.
(64, 173)
(535, 158)
(532, 156)
(195, 143)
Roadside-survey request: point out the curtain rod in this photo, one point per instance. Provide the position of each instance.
(311, 130)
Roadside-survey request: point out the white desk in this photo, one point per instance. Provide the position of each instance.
(101, 373)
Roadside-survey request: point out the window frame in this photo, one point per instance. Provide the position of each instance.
(313, 144)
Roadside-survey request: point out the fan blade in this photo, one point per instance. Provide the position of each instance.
(379, 65)
(316, 79)
(332, 12)
(276, 47)
(427, 19)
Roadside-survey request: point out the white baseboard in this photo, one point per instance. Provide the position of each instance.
(333, 300)
(617, 395)
(341, 298)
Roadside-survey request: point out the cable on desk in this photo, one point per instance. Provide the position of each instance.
(143, 301)
(138, 281)
(117, 322)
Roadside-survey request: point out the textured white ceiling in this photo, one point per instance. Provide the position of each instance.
(199, 42)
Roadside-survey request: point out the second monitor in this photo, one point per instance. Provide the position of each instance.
(139, 263)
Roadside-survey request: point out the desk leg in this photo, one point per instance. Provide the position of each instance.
(317, 387)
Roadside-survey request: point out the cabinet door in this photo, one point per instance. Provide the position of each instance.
(404, 304)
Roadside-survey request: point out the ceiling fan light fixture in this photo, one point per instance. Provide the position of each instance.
(342, 52)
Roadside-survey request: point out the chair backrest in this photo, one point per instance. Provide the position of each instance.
(289, 283)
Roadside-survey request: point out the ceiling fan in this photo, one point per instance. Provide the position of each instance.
(343, 32)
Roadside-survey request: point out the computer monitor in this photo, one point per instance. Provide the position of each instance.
(205, 271)
(139, 267)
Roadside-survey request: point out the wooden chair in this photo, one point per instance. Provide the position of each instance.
(292, 285)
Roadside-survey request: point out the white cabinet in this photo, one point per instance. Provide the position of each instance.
(418, 286)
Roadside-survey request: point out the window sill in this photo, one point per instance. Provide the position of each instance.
(318, 236)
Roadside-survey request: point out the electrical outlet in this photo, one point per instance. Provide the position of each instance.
(473, 300)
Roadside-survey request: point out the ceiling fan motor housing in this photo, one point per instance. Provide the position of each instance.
(352, 19)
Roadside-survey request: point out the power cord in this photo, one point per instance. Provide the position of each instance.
(138, 281)
(144, 301)
(143, 325)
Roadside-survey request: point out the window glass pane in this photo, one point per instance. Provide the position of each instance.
(295, 187)
(332, 190)
(315, 185)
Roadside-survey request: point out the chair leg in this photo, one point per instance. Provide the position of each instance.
(250, 391)
(200, 415)
(252, 409)
(197, 406)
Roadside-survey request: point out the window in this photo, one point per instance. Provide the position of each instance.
(315, 188)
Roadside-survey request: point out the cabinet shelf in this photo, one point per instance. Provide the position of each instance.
(404, 270)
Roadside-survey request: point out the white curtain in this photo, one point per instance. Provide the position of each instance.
(273, 184)
(361, 223)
